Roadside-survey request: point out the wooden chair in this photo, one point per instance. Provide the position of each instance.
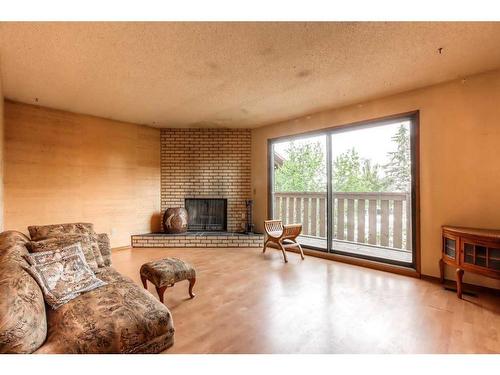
(282, 237)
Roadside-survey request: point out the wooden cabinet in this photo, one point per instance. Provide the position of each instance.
(470, 249)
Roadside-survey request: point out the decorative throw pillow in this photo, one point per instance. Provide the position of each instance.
(43, 232)
(62, 275)
(57, 243)
(105, 248)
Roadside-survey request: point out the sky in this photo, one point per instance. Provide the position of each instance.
(372, 143)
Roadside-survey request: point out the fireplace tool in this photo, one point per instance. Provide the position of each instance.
(249, 225)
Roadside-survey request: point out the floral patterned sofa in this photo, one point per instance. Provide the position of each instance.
(119, 317)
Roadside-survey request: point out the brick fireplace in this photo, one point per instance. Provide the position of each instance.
(211, 164)
(207, 163)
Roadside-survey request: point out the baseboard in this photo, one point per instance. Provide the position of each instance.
(471, 287)
(361, 262)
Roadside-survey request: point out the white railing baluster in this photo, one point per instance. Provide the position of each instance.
(298, 210)
(384, 222)
(350, 220)
(291, 210)
(397, 224)
(408, 222)
(305, 225)
(284, 214)
(340, 218)
(322, 217)
(277, 206)
(372, 221)
(361, 221)
(314, 216)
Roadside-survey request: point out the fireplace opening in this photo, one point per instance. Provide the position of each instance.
(206, 214)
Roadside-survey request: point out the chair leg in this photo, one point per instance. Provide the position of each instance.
(284, 252)
(301, 252)
(265, 245)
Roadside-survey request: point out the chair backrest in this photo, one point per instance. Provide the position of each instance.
(271, 226)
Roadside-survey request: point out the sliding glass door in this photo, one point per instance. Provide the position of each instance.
(352, 188)
(371, 191)
(299, 186)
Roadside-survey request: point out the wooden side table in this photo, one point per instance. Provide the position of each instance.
(470, 249)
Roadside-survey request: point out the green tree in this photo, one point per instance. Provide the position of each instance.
(351, 173)
(303, 169)
(370, 175)
(398, 170)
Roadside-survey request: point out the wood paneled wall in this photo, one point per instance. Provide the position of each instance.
(64, 167)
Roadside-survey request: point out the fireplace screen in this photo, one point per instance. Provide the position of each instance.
(206, 214)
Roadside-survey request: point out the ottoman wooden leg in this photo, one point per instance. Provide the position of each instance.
(160, 292)
(191, 285)
(144, 282)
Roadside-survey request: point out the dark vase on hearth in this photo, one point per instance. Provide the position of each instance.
(175, 220)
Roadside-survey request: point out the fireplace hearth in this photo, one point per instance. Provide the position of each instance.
(198, 239)
(206, 214)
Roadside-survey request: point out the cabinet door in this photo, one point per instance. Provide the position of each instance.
(480, 254)
(468, 252)
(493, 258)
(450, 245)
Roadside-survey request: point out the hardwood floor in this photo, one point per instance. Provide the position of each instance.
(249, 302)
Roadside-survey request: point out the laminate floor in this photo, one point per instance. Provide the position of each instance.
(249, 302)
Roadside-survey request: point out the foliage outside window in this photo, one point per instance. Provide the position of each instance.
(303, 170)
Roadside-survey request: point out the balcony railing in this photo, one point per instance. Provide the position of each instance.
(379, 219)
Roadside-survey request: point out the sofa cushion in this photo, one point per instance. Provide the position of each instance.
(104, 248)
(95, 247)
(42, 232)
(62, 275)
(23, 324)
(57, 243)
(120, 317)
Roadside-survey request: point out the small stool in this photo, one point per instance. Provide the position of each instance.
(282, 236)
(166, 272)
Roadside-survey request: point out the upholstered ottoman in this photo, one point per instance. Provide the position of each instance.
(166, 272)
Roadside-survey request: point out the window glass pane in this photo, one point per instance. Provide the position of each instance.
(371, 183)
(299, 191)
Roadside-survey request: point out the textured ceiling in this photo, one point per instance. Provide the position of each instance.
(232, 74)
